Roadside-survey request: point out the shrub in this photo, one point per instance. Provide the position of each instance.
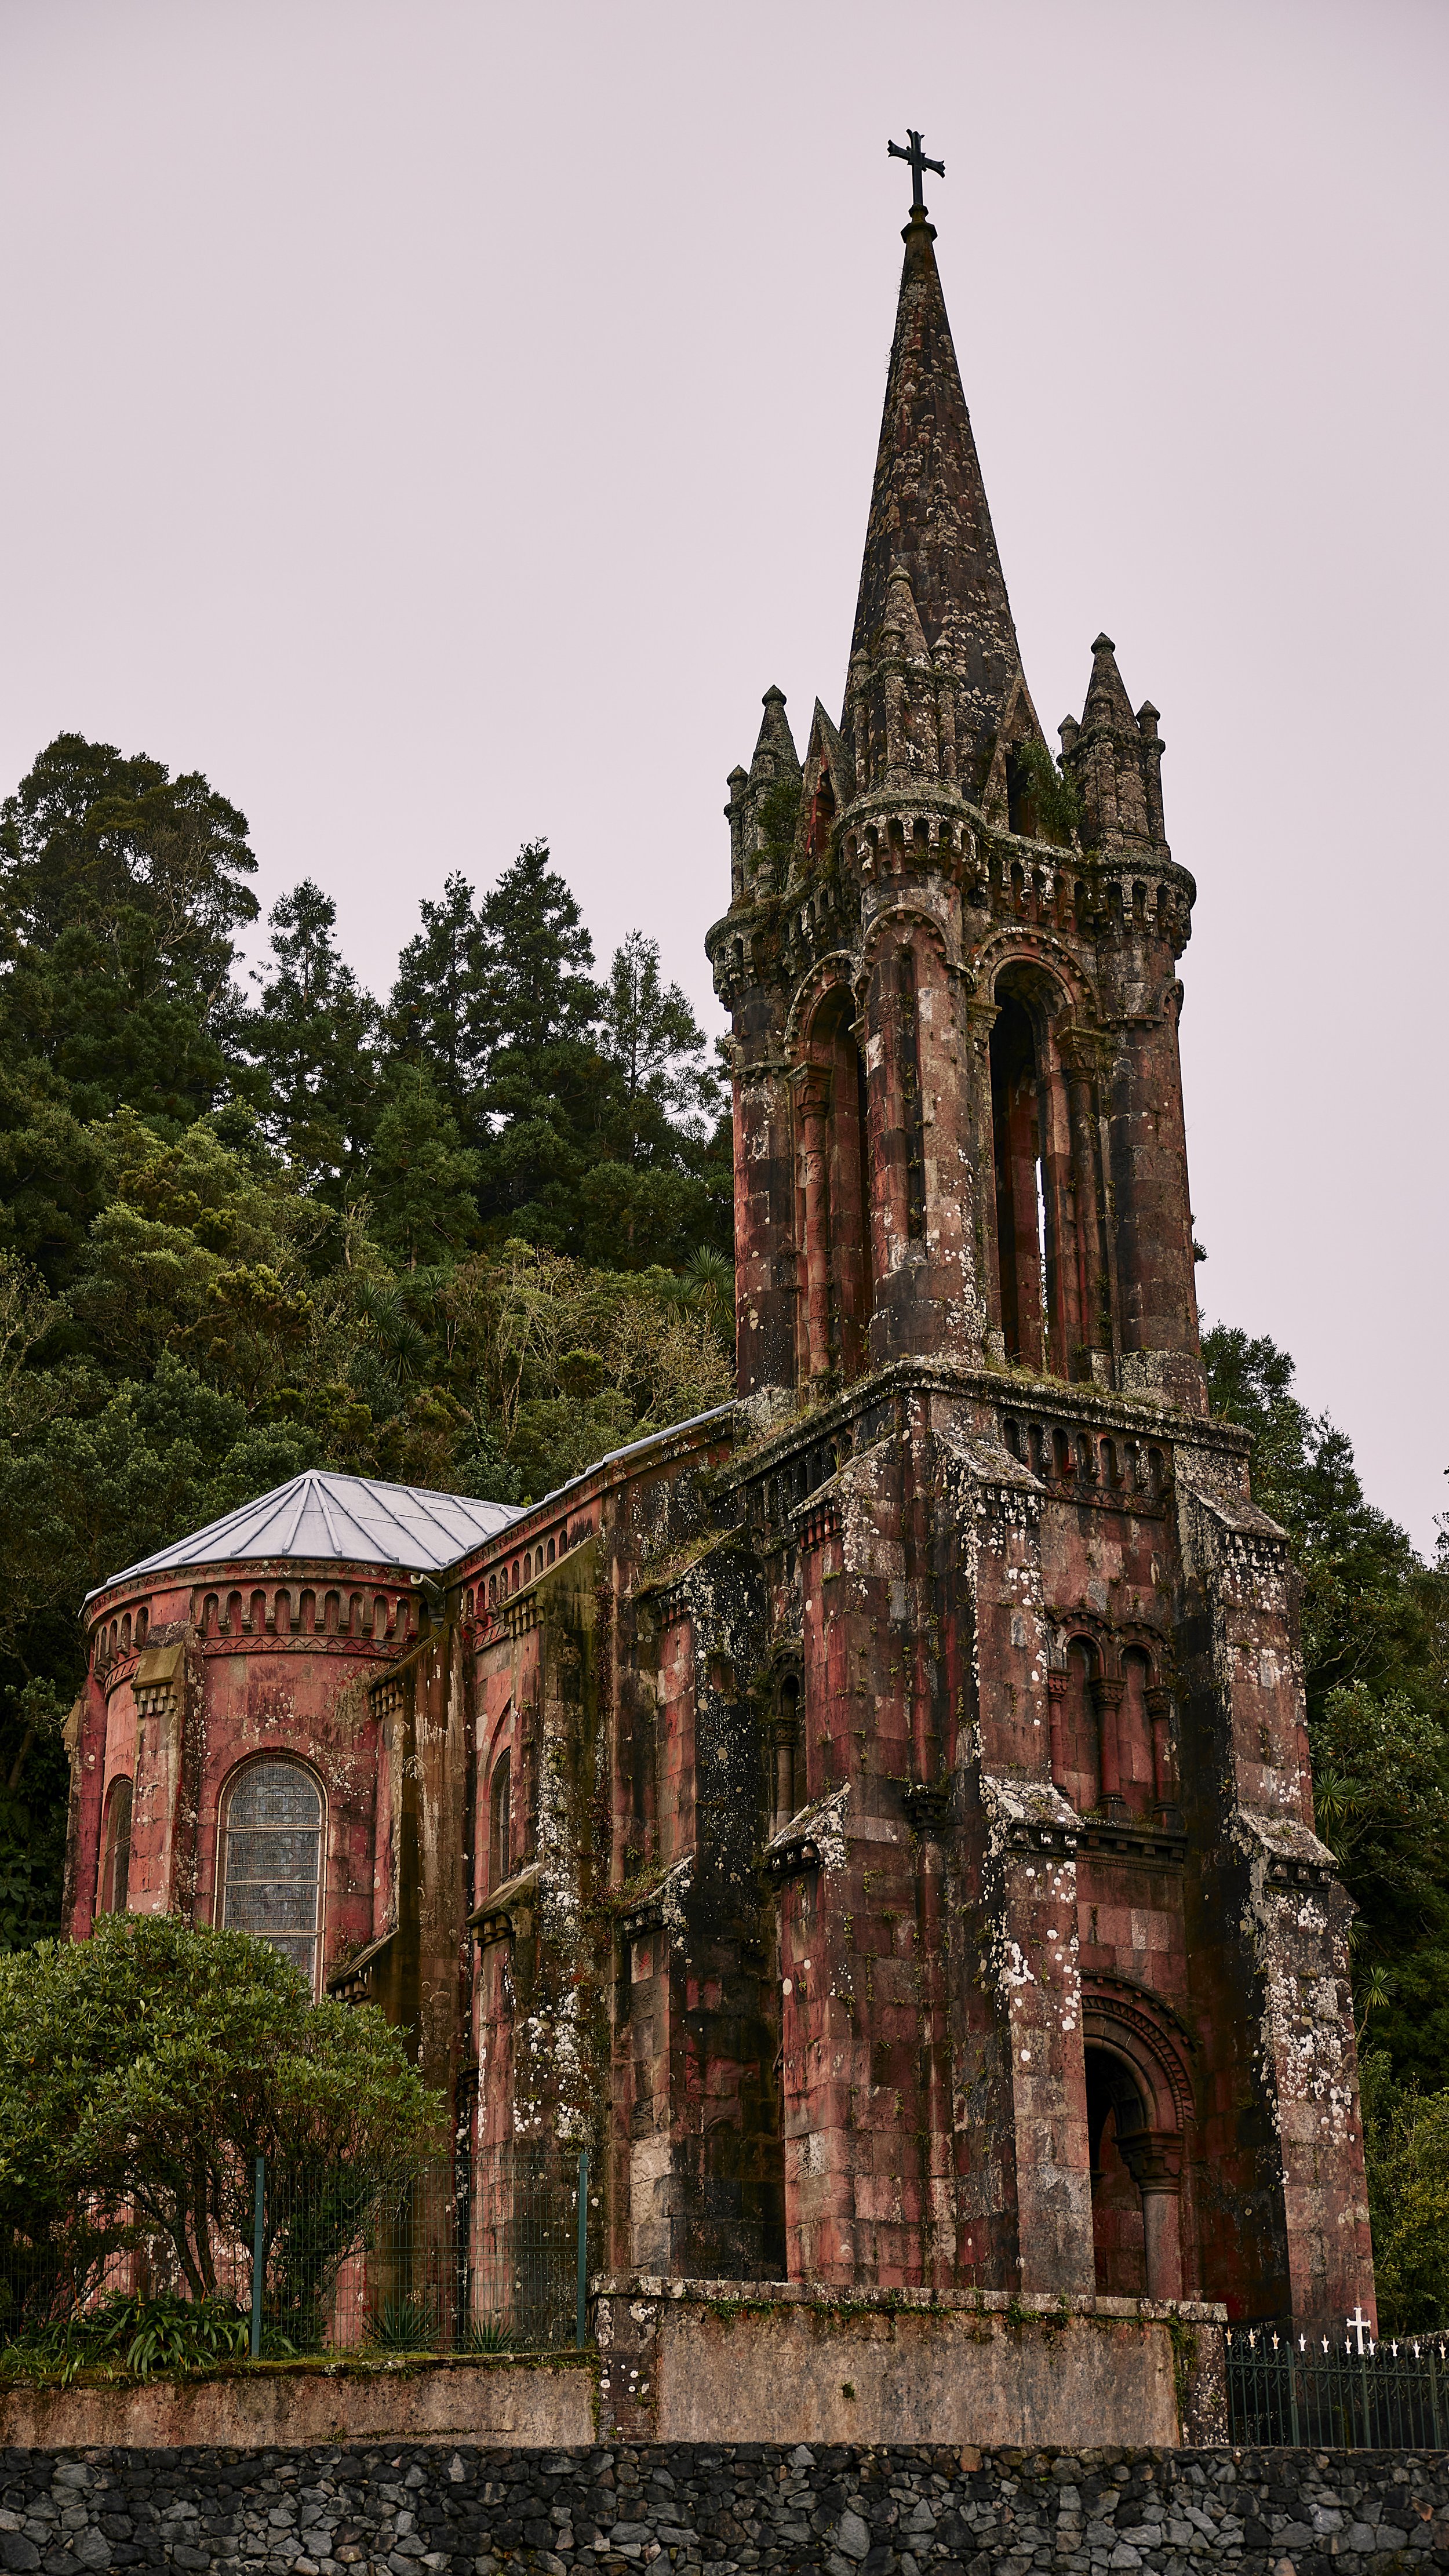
(141, 2073)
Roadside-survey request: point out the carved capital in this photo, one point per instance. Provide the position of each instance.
(1153, 2157)
(1084, 1052)
(928, 1805)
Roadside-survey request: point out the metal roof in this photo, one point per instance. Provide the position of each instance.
(357, 1521)
(350, 1518)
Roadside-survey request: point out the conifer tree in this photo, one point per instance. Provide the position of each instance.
(312, 1037)
(120, 890)
(421, 1179)
(540, 1098)
(656, 1046)
(432, 1015)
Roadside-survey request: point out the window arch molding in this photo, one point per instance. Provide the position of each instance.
(502, 1790)
(272, 1842)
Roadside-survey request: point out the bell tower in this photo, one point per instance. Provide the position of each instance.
(951, 969)
(1056, 2008)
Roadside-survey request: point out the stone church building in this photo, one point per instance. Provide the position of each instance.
(874, 1817)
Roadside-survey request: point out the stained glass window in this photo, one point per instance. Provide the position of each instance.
(274, 1860)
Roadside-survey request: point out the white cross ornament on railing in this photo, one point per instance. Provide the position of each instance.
(1361, 2325)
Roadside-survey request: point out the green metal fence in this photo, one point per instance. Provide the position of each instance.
(438, 2257)
(1286, 2386)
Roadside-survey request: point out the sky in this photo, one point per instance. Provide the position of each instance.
(440, 423)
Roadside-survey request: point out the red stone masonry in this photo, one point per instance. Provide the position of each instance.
(876, 1818)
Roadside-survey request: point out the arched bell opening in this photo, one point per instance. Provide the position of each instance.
(1136, 2166)
(1038, 1288)
(836, 1194)
(1049, 1284)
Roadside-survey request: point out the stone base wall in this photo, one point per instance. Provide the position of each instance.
(523, 2401)
(927, 2511)
(728, 2361)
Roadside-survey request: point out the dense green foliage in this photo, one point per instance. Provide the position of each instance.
(1376, 1671)
(470, 1238)
(142, 2071)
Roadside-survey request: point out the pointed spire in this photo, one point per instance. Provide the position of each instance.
(1107, 700)
(775, 753)
(1116, 756)
(929, 516)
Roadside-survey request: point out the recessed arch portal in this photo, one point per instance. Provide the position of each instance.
(1139, 2110)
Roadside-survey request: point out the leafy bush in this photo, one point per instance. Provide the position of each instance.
(147, 2338)
(1406, 2144)
(141, 2073)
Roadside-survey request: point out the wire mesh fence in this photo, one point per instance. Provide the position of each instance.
(1288, 2387)
(438, 2257)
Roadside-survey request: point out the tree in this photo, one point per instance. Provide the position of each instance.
(420, 1177)
(432, 1016)
(54, 1177)
(91, 837)
(120, 891)
(540, 1099)
(1406, 2148)
(1375, 1623)
(1364, 1613)
(142, 2071)
(651, 1037)
(109, 1023)
(312, 1036)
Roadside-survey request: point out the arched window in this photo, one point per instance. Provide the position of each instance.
(273, 1860)
(500, 1820)
(116, 1850)
(787, 1764)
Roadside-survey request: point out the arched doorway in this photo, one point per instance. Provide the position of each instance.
(1136, 2180)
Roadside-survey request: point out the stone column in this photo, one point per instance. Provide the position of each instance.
(1153, 2157)
(1106, 1700)
(1056, 1722)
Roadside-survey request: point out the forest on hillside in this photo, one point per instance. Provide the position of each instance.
(473, 1235)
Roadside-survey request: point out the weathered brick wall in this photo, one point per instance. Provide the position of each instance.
(898, 2512)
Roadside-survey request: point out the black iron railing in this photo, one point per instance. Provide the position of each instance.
(1287, 2386)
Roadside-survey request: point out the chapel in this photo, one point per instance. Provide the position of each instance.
(874, 1818)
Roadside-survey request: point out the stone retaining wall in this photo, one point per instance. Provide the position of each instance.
(791, 2361)
(408, 2508)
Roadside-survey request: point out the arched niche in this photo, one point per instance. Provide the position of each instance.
(1138, 2110)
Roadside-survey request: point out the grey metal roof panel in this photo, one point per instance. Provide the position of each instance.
(352, 1519)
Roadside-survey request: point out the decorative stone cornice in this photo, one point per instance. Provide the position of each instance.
(504, 1908)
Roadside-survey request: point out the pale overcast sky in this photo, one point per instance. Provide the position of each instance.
(440, 423)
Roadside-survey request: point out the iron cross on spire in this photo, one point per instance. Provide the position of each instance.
(911, 151)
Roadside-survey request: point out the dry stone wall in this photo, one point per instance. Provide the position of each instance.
(927, 2511)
